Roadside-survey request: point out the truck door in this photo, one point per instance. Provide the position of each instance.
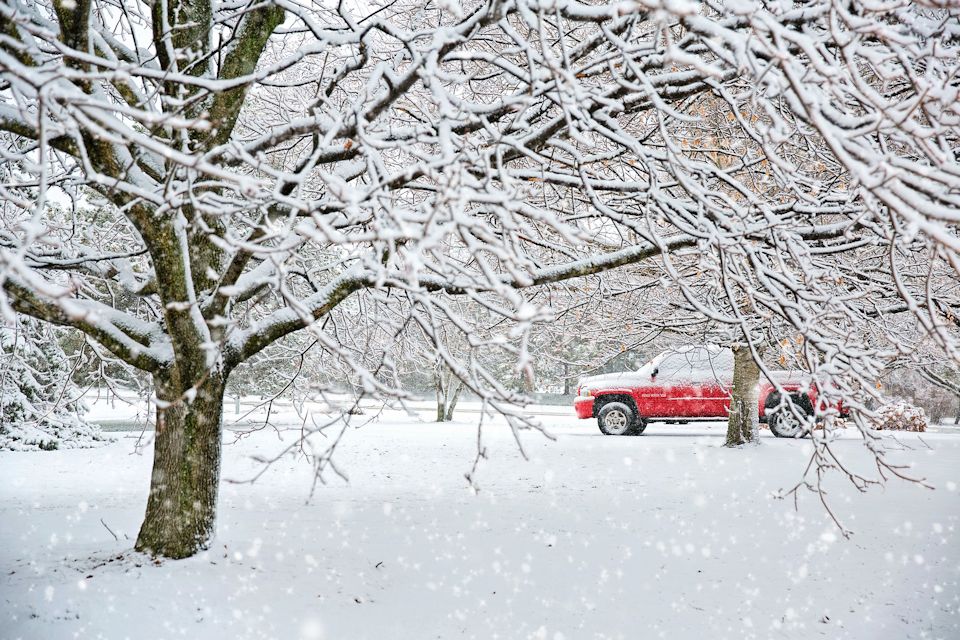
(714, 376)
(675, 377)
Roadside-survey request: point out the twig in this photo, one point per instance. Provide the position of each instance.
(109, 529)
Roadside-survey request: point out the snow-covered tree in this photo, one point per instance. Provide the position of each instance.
(272, 167)
(40, 406)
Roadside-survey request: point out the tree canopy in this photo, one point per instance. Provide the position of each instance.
(788, 169)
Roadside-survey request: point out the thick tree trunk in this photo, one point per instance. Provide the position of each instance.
(743, 426)
(181, 507)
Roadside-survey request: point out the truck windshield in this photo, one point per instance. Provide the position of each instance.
(651, 366)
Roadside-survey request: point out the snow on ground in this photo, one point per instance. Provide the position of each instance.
(666, 535)
(126, 411)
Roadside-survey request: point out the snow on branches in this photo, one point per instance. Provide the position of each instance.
(788, 169)
(40, 406)
(418, 151)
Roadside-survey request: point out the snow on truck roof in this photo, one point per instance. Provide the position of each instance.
(684, 362)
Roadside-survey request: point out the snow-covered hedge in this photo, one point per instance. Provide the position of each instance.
(901, 416)
(50, 435)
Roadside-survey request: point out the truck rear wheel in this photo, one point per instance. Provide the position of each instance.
(784, 421)
(619, 419)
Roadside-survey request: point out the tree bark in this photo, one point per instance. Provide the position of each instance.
(743, 425)
(441, 395)
(181, 507)
(448, 392)
(451, 401)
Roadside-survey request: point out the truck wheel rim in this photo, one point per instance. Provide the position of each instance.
(788, 424)
(615, 422)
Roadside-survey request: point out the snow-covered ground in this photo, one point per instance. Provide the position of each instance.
(666, 535)
(126, 411)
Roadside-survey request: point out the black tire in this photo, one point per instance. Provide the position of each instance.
(619, 419)
(783, 421)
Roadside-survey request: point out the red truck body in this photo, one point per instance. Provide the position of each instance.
(678, 400)
(686, 383)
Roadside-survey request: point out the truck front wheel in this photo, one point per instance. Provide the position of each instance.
(619, 419)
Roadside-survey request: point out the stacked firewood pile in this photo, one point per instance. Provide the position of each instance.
(900, 416)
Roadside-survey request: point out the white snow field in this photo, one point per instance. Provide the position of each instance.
(667, 535)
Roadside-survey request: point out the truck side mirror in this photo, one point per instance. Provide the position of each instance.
(653, 376)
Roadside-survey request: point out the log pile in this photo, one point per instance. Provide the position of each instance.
(900, 416)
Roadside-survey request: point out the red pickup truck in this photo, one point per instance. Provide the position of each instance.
(688, 383)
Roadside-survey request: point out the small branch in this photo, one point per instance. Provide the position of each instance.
(109, 529)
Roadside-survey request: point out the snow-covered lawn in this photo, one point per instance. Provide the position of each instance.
(665, 535)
